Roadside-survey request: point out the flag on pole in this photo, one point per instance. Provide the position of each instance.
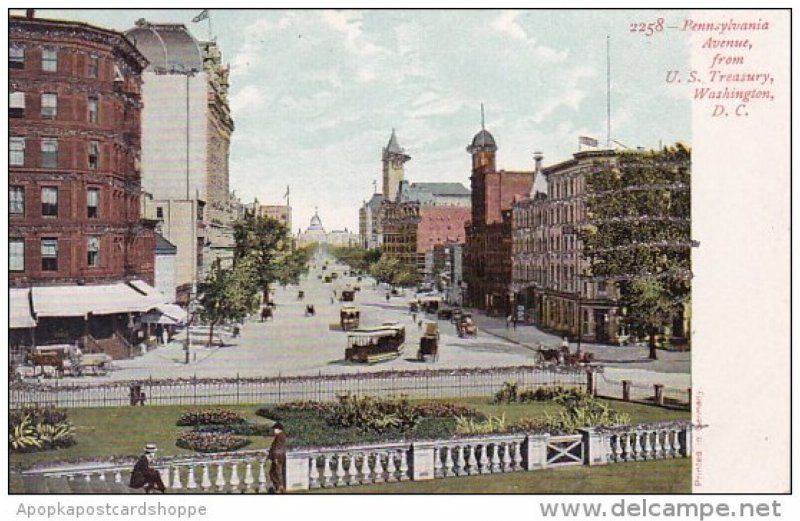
(588, 141)
(286, 195)
(202, 16)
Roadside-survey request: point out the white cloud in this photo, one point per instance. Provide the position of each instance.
(248, 98)
(507, 23)
(349, 25)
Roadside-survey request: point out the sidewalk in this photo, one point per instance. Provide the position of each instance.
(632, 357)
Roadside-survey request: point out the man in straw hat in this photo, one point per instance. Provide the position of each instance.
(144, 475)
(277, 459)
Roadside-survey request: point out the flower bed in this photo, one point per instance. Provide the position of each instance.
(210, 417)
(211, 441)
(36, 428)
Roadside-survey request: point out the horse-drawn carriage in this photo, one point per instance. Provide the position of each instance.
(376, 344)
(266, 313)
(301, 295)
(310, 311)
(349, 317)
(562, 356)
(466, 327)
(347, 295)
(68, 359)
(429, 343)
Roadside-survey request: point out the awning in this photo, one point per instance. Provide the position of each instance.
(100, 299)
(149, 291)
(171, 314)
(19, 312)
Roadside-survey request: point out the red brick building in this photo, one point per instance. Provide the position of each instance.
(74, 180)
(487, 254)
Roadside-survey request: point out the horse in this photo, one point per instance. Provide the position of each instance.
(47, 359)
(266, 313)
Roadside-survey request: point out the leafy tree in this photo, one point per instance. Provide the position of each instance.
(639, 234)
(386, 269)
(226, 295)
(268, 246)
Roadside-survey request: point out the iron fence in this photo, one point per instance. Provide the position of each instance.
(199, 391)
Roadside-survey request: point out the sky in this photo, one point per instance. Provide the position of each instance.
(315, 94)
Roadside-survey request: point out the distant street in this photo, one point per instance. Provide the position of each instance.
(293, 344)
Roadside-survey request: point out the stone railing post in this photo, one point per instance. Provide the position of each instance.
(658, 391)
(422, 462)
(536, 448)
(626, 390)
(685, 439)
(596, 447)
(297, 471)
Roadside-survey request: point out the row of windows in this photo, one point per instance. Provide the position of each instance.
(49, 199)
(49, 253)
(48, 149)
(549, 216)
(49, 106)
(49, 63)
(547, 244)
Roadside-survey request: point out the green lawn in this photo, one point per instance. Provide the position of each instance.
(650, 477)
(123, 431)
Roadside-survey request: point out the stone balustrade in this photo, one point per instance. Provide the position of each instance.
(247, 471)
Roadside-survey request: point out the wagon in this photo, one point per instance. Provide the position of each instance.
(429, 343)
(95, 363)
(377, 344)
(466, 326)
(349, 317)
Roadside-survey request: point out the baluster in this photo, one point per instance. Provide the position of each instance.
(340, 474)
(437, 462)
(235, 482)
(472, 461)
(448, 461)
(327, 474)
(391, 468)
(638, 446)
(176, 478)
(670, 444)
(517, 463)
(616, 448)
(628, 448)
(118, 477)
(507, 457)
(647, 449)
(165, 476)
(484, 459)
(248, 477)
(461, 464)
(313, 473)
(191, 483)
(365, 471)
(205, 481)
(495, 457)
(657, 445)
(220, 481)
(379, 477)
(403, 465)
(352, 471)
(101, 476)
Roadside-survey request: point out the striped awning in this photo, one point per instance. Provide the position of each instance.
(19, 312)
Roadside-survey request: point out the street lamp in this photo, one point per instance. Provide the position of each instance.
(192, 293)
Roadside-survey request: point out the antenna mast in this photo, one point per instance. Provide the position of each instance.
(608, 91)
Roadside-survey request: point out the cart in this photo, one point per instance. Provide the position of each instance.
(377, 344)
(429, 343)
(466, 327)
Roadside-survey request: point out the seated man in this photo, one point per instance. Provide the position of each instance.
(144, 475)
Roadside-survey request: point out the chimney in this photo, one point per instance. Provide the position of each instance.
(537, 171)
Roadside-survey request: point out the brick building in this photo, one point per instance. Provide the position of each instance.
(487, 253)
(74, 183)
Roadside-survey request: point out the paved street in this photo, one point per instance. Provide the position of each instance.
(293, 344)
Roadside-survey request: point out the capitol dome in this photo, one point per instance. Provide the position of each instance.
(316, 224)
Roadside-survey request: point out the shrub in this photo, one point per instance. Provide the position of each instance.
(36, 428)
(490, 425)
(530, 424)
(547, 393)
(276, 412)
(239, 429)
(507, 394)
(444, 410)
(210, 417)
(584, 411)
(374, 414)
(211, 441)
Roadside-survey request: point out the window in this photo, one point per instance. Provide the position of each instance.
(16, 104)
(92, 203)
(49, 60)
(16, 254)
(16, 57)
(93, 251)
(94, 154)
(49, 254)
(49, 105)
(92, 110)
(94, 65)
(159, 212)
(49, 153)
(49, 201)
(16, 200)
(16, 151)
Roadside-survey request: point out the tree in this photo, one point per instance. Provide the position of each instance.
(268, 245)
(386, 270)
(638, 234)
(226, 295)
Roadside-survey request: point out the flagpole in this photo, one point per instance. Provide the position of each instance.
(608, 91)
(210, 32)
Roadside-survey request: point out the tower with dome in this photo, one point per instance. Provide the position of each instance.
(315, 232)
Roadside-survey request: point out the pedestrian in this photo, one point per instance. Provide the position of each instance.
(277, 459)
(565, 344)
(164, 336)
(509, 318)
(236, 331)
(414, 316)
(144, 475)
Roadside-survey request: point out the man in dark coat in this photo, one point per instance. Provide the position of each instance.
(144, 475)
(277, 459)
